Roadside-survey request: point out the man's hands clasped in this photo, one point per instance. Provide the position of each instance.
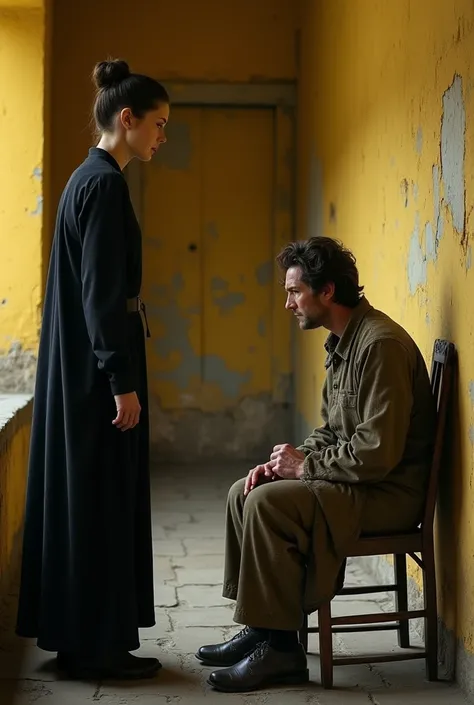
(286, 463)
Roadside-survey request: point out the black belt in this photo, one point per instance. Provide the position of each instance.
(136, 305)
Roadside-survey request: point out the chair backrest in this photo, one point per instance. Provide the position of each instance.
(442, 368)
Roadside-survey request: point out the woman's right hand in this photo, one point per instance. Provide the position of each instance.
(128, 411)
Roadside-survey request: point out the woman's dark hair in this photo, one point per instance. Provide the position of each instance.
(117, 88)
(323, 260)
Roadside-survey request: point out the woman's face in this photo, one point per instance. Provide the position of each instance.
(145, 135)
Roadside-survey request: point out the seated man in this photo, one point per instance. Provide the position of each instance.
(365, 469)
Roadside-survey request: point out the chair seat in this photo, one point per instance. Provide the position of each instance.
(380, 545)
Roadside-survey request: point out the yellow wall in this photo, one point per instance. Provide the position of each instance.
(21, 149)
(386, 137)
(21, 4)
(14, 443)
(205, 41)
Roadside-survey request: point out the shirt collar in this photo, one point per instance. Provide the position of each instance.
(342, 346)
(103, 154)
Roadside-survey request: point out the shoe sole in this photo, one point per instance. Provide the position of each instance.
(218, 664)
(290, 679)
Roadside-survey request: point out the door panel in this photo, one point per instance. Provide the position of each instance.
(208, 257)
(172, 216)
(237, 253)
(219, 357)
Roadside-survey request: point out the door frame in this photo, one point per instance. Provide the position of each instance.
(282, 99)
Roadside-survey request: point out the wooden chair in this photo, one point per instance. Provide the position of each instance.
(420, 541)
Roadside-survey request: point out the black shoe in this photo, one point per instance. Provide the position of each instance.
(264, 667)
(119, 667)
(231, 652)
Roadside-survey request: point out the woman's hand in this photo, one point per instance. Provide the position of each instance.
(128, 411)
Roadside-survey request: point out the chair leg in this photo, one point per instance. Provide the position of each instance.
(303, 634)
(431, 618)
(401, 598)
(325, 645)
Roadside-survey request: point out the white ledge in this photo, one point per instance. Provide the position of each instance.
(10, 405)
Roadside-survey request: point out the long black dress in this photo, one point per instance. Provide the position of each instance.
(87, 575)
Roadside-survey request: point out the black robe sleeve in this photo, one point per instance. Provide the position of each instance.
(104, 279)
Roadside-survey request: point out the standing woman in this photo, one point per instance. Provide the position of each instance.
(87, 575)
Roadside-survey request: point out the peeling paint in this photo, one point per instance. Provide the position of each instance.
(264, 273)
(153, 242)
(404, 190)
(245, 431)
(419, 140)
(469, 258)
(415, 191)
(211, 230)
(453, 128)
(178, 281)
(17, 370)
(262, 327)
(177, 152)
(417, 268)
(430, 243)
(471, 434)
(229, 301)
(471, 390)
(176, 342)
(426, 250)
(219, 284)
(438, 204)
(436, 193)
(37, 173)
(39, 206)
(440, 229)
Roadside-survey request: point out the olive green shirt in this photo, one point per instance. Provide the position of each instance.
(378, 410)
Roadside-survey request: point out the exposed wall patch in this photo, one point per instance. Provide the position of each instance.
(453, 146)
(417, 267)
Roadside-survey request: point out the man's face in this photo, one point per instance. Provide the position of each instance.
(310, 309)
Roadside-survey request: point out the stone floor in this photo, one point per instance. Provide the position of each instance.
(188, 506)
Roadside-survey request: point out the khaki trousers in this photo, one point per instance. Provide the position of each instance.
(268, 539)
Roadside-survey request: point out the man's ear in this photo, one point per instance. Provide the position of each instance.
(327, 292)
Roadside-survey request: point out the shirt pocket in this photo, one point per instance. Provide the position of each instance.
(347, 399)
(344, 414)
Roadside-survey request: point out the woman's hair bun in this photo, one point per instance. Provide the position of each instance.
(109, 73)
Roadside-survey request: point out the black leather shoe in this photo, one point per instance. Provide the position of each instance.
(118, 667)
(264, 667)
(231, 652)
